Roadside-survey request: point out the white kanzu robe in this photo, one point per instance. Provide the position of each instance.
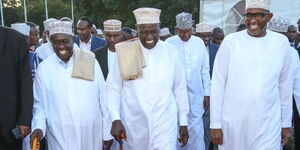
(251, 92)
(70, 110)
(296, 86)
(193, 55)
(150, 105)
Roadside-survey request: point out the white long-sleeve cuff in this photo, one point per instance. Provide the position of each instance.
(216, 126)
(183, 119)
(207, 92)
(115, 115)
(287, 124)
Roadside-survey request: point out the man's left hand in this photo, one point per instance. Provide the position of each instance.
(206, 102)
(25, 130)
(107, 144)
(184, 135)
(285, 135)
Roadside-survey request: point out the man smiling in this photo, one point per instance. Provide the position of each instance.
(68, 106)
(251, 92)
(150, 105)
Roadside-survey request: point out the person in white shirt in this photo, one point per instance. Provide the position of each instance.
(251, 89)
(69, 109)
(281, 25)
(85, 39)
(147, 108)
(193, 55)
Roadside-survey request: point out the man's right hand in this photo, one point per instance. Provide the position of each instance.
(116, 129)
(36, 133)
(216, 136)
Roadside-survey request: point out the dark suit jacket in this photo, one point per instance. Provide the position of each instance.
(95, 43)
(16, 100)
(101, 56)
(213, 49)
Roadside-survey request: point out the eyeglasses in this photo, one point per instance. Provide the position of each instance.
(257, 16)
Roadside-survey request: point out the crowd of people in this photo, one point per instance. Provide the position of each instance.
(146, 89)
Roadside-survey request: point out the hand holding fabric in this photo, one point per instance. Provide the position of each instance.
(285, 135)
(184, 135)
(25, 130)
(216, 136)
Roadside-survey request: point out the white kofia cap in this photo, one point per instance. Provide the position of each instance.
(146, 15)
(47, 22)
(279, 24)
(164, 32)
(60, 27)
(21, 27)
(263, 4)
(112, 25)
(203, 27)
(184, 20)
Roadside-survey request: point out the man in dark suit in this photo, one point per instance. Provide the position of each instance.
(106, 55)
(85, 40)
(16, 98)
(217, 37)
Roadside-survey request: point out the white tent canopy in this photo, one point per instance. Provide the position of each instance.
(227, 13)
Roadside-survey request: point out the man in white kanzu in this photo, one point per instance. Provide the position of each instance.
(150, 105)
(69, 106)
(193, 55)
(251, 92)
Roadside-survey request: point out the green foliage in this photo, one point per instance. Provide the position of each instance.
(99, 10)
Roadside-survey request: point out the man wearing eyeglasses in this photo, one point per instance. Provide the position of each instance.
(251, 91)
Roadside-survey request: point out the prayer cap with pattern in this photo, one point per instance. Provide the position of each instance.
(164, 32)
(263, 4)
(66, 19)
(60, 27)
(279, 24)
(203, 27)
(21, 27)
(47, 22)
(184, 21)
(146, 15)
(112, 25)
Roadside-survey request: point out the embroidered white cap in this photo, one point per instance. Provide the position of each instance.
(47, 22)
(263, 4)
(146, 15)
(112, 25)
(164, 32)
(279, 24)
(60, 27)
(203, 27)
(184, 20)
(21, 27)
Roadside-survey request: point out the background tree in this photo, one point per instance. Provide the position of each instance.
(98, 10)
